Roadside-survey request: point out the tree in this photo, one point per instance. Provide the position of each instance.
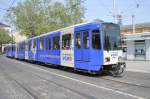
(4, 38)
(75, 10)
(34, 17)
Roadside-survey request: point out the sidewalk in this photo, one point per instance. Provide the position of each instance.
(138, 66)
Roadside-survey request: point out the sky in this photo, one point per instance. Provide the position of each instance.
(102, 9)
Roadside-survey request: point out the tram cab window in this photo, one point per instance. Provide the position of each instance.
(48, 44)
(56, 45)
(96, 43)
(41, 43)
(66, 41)
(78, 40)
(86, 40)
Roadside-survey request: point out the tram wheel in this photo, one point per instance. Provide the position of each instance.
(119, 70)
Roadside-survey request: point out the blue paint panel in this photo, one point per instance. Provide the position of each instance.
(87, 59)
(13, 50)
(21, 50)
(49, 56)
(9, 51)
(31, 55)
(93, 25)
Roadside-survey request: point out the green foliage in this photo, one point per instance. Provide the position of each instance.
(34, 17)
(4, 37)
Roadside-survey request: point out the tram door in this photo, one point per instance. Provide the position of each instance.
(82, 49)
(67, 47)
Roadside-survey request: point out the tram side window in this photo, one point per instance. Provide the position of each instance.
(41, 43)
(66, 41)
(26, 46)
(23, 47)
(20, 47)
(56, 45)
(33, 44)
(13, 48)
(48, 44)
(29, 45)
(96, 44)
(78, 40)
(86, 40)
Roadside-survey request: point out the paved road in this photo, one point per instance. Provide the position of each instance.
(138, 66)
(22, 80)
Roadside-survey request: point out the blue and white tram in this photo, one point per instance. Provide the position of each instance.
(92, 47)
(10, 50)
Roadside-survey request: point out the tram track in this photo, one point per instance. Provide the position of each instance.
(101, 87)
(126, 83)
(113, 80)
(72, 71)
(104, 78)
(32, 92)
(19, 85)
(74, 91)
(87, 96)
(27, 90)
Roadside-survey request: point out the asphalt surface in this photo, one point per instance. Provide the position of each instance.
(22, 80)
(138, 66)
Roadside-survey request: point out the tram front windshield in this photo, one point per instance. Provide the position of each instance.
(111, 36)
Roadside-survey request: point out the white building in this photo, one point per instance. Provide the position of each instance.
(6, 27)
(138, 46)
(17, 37)
(138, 43)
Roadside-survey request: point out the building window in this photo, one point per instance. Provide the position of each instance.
(96, 39)
(48, 44)
(41, 43)
(78, 40)
(56, 45)
(86, 40)
(66, 41)
(140, 48)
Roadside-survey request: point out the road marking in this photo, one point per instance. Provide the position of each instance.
(97, 86)
(123, 93)
(141, 71)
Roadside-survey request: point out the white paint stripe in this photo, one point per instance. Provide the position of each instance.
(97, 86)
(101, 87)
(141, 71)
(123, 93)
